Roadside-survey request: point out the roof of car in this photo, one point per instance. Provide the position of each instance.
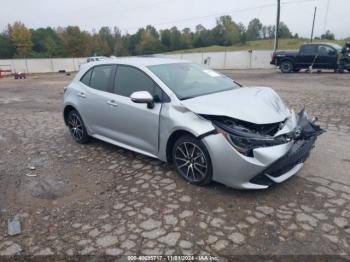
(139, 61)
(318, 43)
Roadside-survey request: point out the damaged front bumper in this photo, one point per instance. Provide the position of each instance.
(267, 165)
(304, 137)
(286, 166)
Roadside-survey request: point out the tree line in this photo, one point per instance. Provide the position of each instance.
(18, 41)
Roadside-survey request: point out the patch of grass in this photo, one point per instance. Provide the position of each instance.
(284, 44)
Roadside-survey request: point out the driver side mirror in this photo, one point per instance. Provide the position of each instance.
(143, 97)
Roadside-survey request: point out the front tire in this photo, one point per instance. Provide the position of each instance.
(192, 160)
(77, 128)
(286, 67)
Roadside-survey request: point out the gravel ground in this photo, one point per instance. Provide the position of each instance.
(99, 199)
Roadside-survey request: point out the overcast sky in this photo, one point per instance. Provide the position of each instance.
(129, 15)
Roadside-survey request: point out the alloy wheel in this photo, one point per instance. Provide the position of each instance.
(75, 126)
(191, 161)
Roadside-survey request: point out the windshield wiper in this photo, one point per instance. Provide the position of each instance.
(187, 97)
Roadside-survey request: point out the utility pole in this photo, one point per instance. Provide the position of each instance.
(313, 25)
(277, 25)
(326, 18)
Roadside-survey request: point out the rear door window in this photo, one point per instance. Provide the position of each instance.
(308, 49)
(101, 78)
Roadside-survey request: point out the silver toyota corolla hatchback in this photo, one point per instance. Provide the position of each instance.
(205, 123)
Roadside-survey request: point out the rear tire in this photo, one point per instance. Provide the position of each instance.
(77, 128)
(286, 67)
(192, 160)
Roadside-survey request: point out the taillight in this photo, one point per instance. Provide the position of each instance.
(273, 56)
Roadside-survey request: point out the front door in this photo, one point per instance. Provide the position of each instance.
(135, 125)
(327, 57)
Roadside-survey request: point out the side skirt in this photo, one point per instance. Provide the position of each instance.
(116, 143)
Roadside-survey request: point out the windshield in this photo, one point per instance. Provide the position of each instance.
(336, 46)
(188, 80)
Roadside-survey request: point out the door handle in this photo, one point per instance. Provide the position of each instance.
(112, 103)
(81, 94)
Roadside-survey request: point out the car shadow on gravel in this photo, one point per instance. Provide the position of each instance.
(214, 188)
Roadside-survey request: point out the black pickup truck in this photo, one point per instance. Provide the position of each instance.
(316, 55)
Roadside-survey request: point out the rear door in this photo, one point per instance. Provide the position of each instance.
(96, 104)
(307, 56)
(327, 57)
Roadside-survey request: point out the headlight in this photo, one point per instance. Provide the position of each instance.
(245, 144)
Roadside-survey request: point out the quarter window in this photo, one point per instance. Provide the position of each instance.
(129, 80)
(86, 78)
(101, 76)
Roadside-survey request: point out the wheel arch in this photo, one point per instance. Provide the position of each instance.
(171, 141)
(176, 135)
(68, 108)
(287, 59)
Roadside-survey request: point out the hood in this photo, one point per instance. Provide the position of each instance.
(259, 105)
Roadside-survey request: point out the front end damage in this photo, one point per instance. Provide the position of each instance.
(268, 153)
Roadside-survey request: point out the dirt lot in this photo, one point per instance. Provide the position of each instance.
(101, 199)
